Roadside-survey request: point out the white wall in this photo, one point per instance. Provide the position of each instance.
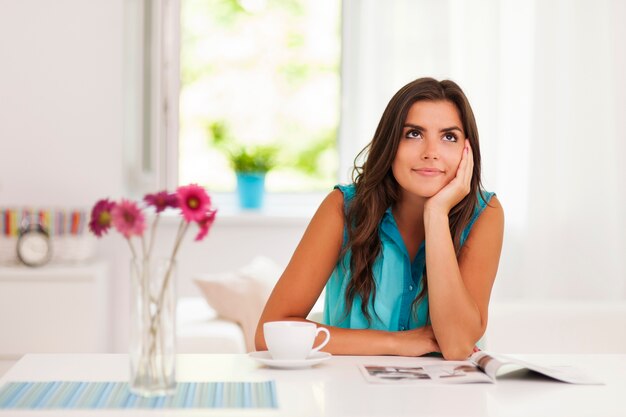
(60, 100)
(61, 143)
(60, 103)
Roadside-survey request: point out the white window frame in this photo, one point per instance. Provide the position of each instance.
(152, 74)
(152, 83)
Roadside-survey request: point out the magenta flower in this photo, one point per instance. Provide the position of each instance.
(128, 219)
(161, 200)
(205, 224)
(194, 202)
(100, 221)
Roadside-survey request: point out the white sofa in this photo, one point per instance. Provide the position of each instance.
(199, 330)
(514, 327)
(557, 327)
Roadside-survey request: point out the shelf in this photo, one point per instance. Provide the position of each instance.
(53, 272)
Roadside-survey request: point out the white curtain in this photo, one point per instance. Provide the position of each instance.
(547, 83)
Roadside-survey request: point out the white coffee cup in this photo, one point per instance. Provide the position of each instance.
(292, 340)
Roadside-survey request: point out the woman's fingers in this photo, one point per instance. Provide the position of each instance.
(460, 172)
(466, 166)
(469, 160)
(460, 185)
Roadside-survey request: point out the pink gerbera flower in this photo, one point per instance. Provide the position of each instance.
(161, 200)
(194, 202)
(128, 219)
(100, 221)
(205, 224)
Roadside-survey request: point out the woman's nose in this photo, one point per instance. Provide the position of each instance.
(430, 150)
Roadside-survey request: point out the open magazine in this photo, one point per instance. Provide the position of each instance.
(480, 367)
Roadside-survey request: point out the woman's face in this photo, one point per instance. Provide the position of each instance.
(430, 148)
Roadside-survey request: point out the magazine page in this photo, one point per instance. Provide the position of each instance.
(487, 362)
(447, 372)
(491, 363)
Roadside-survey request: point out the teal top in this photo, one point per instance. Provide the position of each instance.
(398, 280)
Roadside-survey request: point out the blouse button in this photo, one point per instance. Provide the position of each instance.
(410, 288)
(401, 327)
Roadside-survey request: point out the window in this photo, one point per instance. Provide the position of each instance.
(260, 73)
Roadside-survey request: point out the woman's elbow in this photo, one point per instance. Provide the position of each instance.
(458, 352)
(462, 345)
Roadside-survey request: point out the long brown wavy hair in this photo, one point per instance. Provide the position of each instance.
(377, 189)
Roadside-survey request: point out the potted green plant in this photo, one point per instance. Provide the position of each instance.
(250, 163)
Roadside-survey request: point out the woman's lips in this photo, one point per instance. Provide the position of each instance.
(428, 172)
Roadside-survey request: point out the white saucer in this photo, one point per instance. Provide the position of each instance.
(265, 358)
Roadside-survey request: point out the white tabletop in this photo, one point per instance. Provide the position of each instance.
(337, 388)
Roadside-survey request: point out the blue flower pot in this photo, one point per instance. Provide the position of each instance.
(251, 189)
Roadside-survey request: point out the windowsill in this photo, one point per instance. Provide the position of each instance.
(278, 209)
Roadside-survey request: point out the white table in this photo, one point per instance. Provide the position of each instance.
(336, 387)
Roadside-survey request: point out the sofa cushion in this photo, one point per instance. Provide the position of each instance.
(240, 296)
(199, 330)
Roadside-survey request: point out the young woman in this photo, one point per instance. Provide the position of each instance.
(408, 252)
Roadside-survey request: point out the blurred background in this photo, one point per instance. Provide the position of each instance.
(123, 97)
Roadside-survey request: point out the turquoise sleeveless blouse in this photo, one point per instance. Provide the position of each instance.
(398, 279)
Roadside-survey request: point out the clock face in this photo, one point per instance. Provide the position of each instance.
(33, 248)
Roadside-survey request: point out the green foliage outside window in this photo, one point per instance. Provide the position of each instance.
(246, 159)
(260, 90)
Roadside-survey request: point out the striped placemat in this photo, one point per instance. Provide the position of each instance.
(117, 395)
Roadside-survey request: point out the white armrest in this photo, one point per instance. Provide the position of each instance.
(199, 330)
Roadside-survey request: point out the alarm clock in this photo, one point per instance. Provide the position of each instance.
(33, 245)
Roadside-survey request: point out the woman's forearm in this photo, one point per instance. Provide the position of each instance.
(455, 317)
(366, 341)
(344, 341)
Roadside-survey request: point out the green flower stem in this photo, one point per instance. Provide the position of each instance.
(143, 246)
(132, 248)
(156, 318)
(152, 234)
(150, 247)
(140, 279)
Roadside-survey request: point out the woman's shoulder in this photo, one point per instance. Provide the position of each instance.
(332, 207)
(348, 191)
(484, 197)
(488, 206)
(487, 201)
(492, 206)
(327, 223)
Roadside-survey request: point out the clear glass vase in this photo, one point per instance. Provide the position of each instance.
(153, 327)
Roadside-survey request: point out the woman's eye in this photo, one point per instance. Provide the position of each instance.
(449, 137)
(413, 134)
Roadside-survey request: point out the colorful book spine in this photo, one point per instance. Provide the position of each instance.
(57, 222)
